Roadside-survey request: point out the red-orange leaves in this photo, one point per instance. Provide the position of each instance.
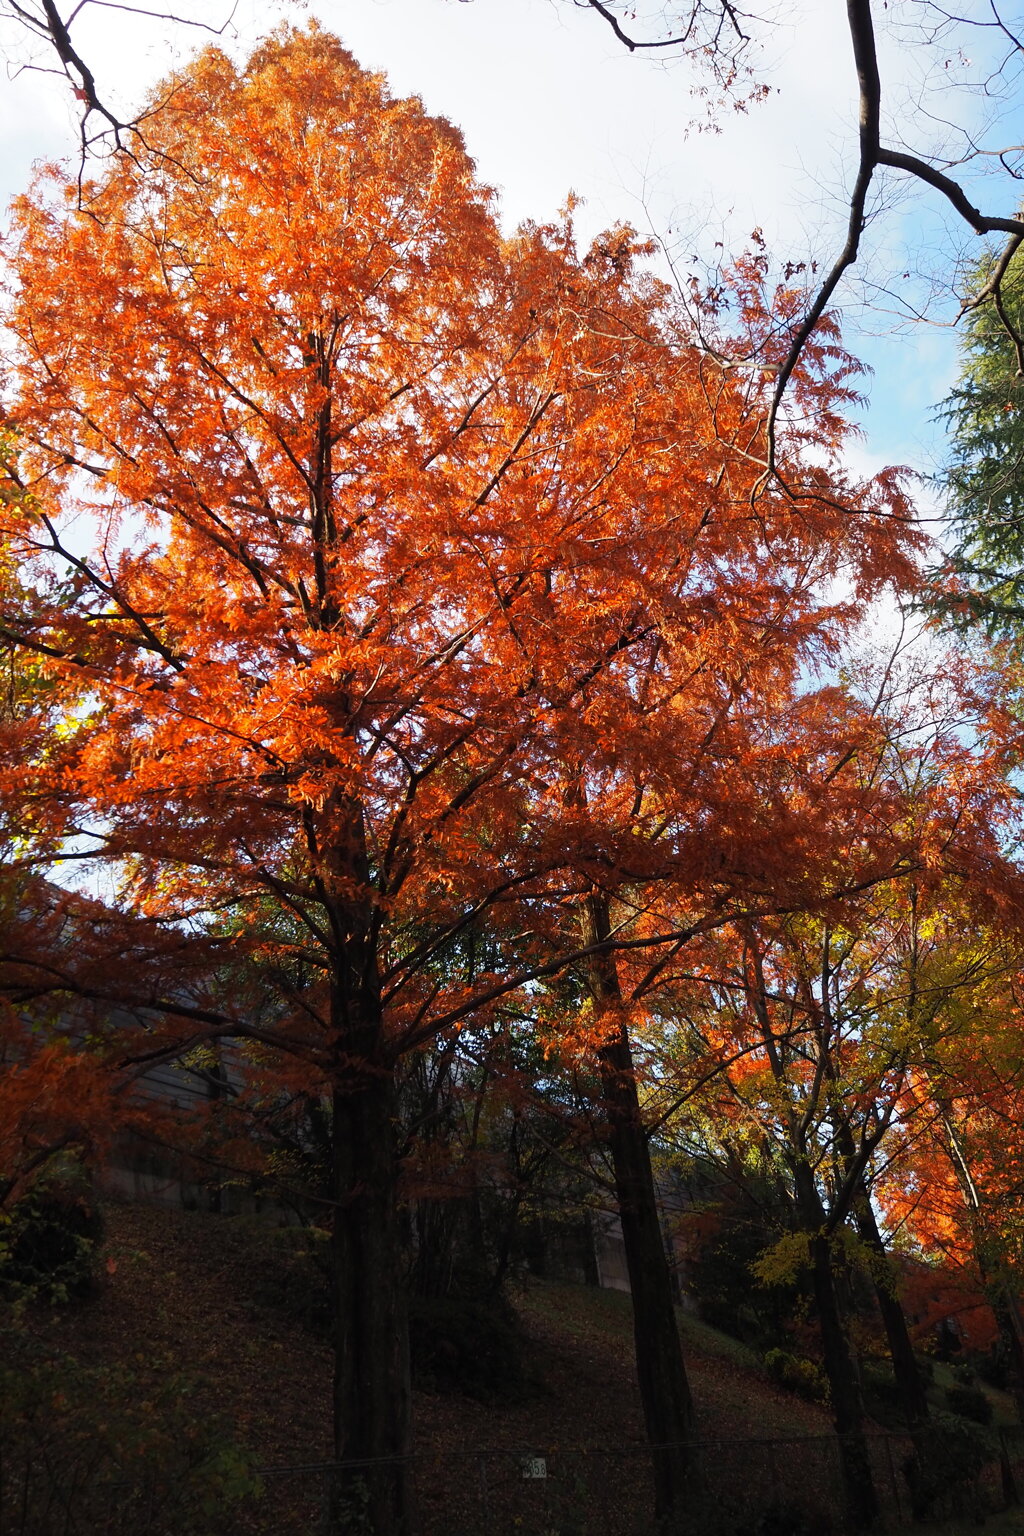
(376, 536)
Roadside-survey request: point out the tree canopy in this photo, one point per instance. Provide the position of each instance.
(413, 643)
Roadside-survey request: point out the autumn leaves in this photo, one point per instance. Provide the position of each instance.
(402, 582)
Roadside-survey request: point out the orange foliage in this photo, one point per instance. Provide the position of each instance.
(397, 528)
(402, 584)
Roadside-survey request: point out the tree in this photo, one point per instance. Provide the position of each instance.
(58, 1094)
(421, 596)
(985, 584)
(806, 1028)
(957, 1190)
(922, 142)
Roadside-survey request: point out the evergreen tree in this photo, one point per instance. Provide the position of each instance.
(983, 578)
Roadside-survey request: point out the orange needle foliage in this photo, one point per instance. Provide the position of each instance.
(404, 583)
(397, 522)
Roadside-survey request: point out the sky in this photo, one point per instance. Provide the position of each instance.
(550, 103)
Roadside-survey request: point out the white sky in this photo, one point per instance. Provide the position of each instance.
(549, 103)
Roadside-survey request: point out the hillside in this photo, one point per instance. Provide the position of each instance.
(205, 1294)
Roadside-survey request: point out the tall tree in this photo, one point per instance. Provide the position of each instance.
(807, 1028)
(985, 477)
(957, 1188)
(931, 140)
(59, 1090)
(398, 531)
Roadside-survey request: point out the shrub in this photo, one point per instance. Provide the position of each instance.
(104, 1450)
(926, 1365)
(969, 1403)
(294, 1272)
(881, 1391)
(458, 1343)
(473, 1347)
(796, 1374)
(48, 1243)
(719, 1276)
(944, 1470)
(991, 1368)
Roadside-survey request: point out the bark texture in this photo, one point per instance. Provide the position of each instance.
(844, 1389)
(371, 1399)
(372, 1388)
(661, 1370)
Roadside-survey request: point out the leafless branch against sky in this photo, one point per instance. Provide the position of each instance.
(719, 35)
(43, 22)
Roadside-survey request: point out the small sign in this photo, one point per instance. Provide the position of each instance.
(535, 1466)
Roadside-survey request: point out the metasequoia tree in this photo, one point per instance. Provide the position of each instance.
(932, 141)
(402, 583)
(812, 787)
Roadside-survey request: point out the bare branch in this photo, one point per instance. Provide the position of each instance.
(724, 15)
(872, 156)
(43, 20)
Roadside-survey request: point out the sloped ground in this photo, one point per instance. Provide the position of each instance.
(187, 1286)
(733, 1395)
(188, 1292)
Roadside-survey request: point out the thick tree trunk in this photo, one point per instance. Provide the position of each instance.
(999, 1291)
(372, 1490)
(661, 1371)
(910, 1385)
(1006, 1312)
(371, 1356)
(909, 1381)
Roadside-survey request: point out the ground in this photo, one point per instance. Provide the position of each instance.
(197, 1292)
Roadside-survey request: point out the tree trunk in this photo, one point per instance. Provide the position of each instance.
(847, 1408)
(844, 1388)
(990, 1261)
(1008, 1324)
(661, 1371)
(371, 1397)
(909, 1383)
(372, 1491)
